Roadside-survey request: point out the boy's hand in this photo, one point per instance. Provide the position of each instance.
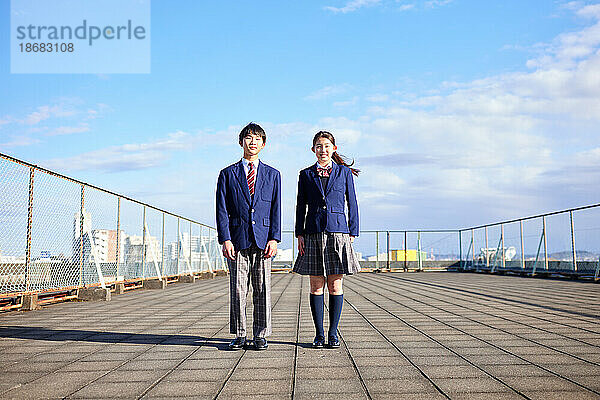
(228, 250)
(271, 248)
(301, 245)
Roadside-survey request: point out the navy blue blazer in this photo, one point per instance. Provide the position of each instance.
(322, 210)
(244, 220)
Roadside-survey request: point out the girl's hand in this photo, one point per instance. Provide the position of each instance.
(301, 245)
(352, 239)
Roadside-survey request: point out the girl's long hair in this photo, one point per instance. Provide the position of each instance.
(338, 158)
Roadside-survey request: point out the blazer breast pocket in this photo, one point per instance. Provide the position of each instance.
(266, 193)
(266, 222)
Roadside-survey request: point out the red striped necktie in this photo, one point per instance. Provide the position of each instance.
(251, 178)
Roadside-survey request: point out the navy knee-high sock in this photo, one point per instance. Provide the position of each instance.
(316, 307)
(335, 310)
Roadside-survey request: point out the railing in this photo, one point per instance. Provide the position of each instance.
(405, 250)
(58, 233)
(564, 242)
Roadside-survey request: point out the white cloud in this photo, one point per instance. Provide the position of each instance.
(353, 5)
(328, 91)
(45, 112)
(19, 140)
(345, 103)
(378, 98)
(126, 157)
(437, 3)
(406, 7)
(68, 130)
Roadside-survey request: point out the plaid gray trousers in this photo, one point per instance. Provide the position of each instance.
(250, 265)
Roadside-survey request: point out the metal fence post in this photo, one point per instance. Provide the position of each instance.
(178, 249)
(473, 248)
(162, 247)
(388, 251)
(377, 249)
(144, 244)
(190, 250)
(118, 250)
(29, 224)
(460, 263)
(405, 250)
(545, 243)
(522, 245)
(573, 242)
(487, 253)
(419, 251)
(81, 222)
(503, 253)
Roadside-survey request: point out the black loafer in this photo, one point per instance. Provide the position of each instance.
(333, 343)
(318, 343)
(237, 343)
(260, 344)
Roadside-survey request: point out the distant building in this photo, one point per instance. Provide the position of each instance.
(81, 242)
(134, 246)
(105, 242)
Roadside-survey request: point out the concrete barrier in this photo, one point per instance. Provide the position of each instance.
(30, 302)
(206, 275)
(187, 279)
(119, 288)
(93, 294)
(154, 284)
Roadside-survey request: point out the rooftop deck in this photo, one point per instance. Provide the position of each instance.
(404, 335)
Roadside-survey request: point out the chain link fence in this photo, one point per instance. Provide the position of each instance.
(58, 234)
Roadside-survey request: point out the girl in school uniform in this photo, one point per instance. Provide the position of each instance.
(324, 233)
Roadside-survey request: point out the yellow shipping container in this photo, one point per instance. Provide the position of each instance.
(410, 255)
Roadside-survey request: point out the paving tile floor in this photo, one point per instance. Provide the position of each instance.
(434, 335)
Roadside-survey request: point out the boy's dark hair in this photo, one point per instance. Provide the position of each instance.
(252, 129)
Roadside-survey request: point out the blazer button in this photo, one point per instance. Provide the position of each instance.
(324, 207)
(253, 222)
(252, 210)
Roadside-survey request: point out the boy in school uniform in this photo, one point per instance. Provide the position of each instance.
(248, 211)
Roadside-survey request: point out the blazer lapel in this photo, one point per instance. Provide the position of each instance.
(335, 172)
(258, 182)
(317, 179)
(241, 175)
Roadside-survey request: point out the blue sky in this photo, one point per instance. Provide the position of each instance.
(458, 112)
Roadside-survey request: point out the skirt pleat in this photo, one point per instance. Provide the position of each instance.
(327, 254)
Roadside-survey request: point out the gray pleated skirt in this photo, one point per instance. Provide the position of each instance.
(327, 254)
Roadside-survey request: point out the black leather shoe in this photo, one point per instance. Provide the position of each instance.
(333, 342)
(260, 344)
(237, 343)
(318, 343)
